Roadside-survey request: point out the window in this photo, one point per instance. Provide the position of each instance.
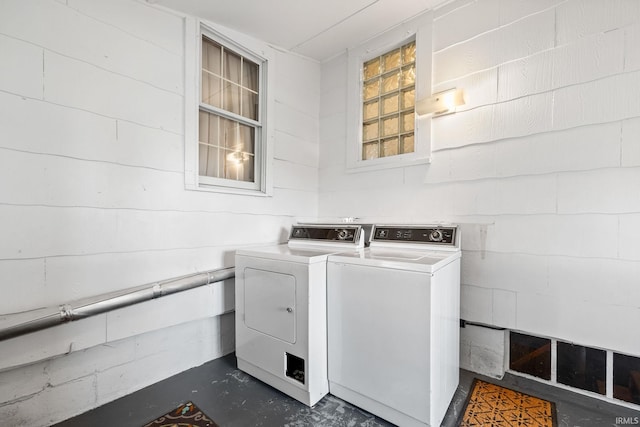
(227, 133)
(581, 367)
(626, 378)
(599, 371)
(388, 96)
(530, 355)
(386, 76)
(229, 114)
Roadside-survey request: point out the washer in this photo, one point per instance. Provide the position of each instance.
(281, 303)
(393, 323)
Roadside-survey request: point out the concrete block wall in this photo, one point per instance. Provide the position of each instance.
(46, 392)
(93, 199)
(540, 167)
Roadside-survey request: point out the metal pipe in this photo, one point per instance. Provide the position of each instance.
(108, 302)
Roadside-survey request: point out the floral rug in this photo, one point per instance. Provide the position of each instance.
(187, 415)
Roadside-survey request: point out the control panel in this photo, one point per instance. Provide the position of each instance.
(434, 235)
(346, 234)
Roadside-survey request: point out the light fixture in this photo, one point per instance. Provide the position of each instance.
(237, 157)
(440, 103)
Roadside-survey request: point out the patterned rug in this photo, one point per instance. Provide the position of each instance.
(187, 415)
(491, 405)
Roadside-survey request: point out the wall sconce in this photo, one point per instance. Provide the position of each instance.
(440, 103)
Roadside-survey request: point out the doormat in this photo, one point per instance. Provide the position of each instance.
(491, 405)
(187, 415)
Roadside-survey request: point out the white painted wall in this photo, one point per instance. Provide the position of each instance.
(540, 167)
(92, 200)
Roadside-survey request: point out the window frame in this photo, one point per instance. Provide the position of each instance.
(419, 29)
(254, 51)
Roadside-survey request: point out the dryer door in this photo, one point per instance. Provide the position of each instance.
(270, 303)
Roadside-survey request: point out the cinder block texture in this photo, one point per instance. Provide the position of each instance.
(539, 167)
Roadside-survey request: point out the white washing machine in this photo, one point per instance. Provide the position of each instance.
(281, 308)
(393, 323)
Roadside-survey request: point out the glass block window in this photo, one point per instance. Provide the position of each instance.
(229, 117)
(388, 100)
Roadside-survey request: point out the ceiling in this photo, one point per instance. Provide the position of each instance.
(319, 29)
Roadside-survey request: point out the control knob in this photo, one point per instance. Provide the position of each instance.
(436, 236)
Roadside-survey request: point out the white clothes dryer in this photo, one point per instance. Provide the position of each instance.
(281, 303)
(393, 323)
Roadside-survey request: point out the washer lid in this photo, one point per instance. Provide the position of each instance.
(425, 261)
(284, 252)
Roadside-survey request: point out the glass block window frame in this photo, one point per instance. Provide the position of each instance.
(388, 103)
(385, 152)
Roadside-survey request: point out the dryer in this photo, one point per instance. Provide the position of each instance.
(393, 323)
(281, 308)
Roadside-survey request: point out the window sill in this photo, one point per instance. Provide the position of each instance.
(208, 188)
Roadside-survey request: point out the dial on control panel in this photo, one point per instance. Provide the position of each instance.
(436, 236)
(343, 234)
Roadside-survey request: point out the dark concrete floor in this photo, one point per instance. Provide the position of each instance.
(234, 399)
